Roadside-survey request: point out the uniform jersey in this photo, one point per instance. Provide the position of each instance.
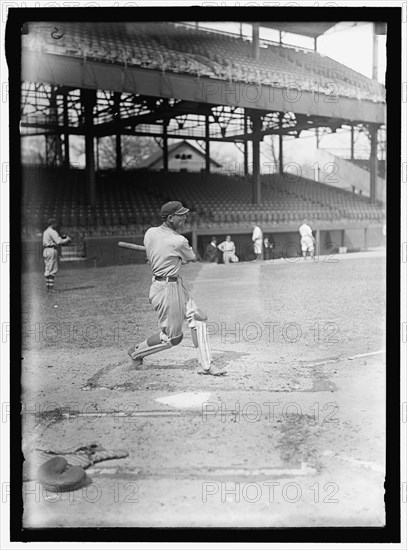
(257, 234)
(227, 246)
(305, 230)
(50, 237)
(257, 239)
(166, 249)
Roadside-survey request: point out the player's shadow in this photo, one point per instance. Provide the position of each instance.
(125, 376)
(221, 360)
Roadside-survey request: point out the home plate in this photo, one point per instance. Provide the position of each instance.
(186, 400)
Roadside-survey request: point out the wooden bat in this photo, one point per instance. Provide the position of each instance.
(132, 246)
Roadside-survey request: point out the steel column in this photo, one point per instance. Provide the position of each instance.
(88, 102)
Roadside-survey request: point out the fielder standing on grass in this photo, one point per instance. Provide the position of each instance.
(50, 242)
(307, 239)
(166, 250)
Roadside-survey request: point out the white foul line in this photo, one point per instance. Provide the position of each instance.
(367, 354)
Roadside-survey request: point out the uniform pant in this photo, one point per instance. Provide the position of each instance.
(51, 265)
(258, 248)
(230, 257)
(307, 244)
(169, 299)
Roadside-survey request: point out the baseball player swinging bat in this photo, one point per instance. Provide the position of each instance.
(196, 322)
(132, 246)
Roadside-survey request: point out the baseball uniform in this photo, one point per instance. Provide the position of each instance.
(228, 248)
(166, 251)
(50, 242)
(257, 238)
(307, 240)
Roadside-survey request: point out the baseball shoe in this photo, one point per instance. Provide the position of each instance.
(135, 362)
(213, 371)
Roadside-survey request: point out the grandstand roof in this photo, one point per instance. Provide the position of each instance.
(197, 66)
(175, 48)
(305, 28)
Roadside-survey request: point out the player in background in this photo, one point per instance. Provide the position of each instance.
(268, 247)
(229, 250)
(166, 250)
(50, 242)
(307, 239)
(257, 238)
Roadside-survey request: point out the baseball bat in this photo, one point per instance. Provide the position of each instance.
(132, 246)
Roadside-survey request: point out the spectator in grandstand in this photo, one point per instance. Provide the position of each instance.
(50, 242)
(257, 238)
(211, 252)
(307, 239)
(228, 248)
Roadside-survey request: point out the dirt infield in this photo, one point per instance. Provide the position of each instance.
(293, 435)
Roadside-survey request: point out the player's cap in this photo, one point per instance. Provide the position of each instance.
(171, 208)
(52, 221)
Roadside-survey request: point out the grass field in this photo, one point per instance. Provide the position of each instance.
(293, 414)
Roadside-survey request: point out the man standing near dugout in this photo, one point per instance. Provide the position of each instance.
(166, 250)
(228, 248)
(307, 239)
(257, 238)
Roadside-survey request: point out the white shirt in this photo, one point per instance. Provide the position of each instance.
(305, 230)
(257, 234)
(227, 246)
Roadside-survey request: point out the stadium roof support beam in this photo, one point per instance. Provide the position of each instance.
(298, 124)
(207, 146)
(165, 145)
(246, 146)
(66, 132)
(256, 126)
(373, 162)
(88, 98)
(119, 159)
(352, 142)
(180, 108)
(53, 145)
(255, 42)
(280, 146)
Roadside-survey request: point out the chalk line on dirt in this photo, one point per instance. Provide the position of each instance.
(357, 462)
(209, 473)
(367, 354)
